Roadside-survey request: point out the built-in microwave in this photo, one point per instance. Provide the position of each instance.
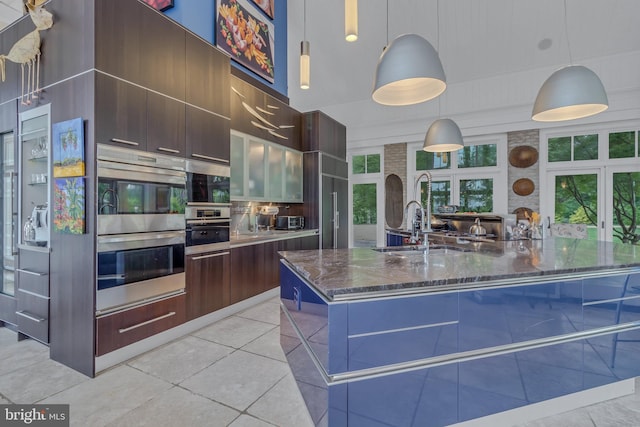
(208, 183)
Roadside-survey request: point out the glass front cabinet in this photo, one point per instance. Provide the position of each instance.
(32, 278)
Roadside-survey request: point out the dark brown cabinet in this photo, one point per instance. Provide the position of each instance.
(165, 125)
(125, 327)
(207, 282)
(121, 113)
(207, 71)
(256, 268)
(207, 136)
(162, 54)
(120, 37)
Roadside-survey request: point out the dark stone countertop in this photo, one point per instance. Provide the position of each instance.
(362, 272)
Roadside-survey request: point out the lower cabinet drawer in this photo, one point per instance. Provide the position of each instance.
(33, 316)
(122, 328)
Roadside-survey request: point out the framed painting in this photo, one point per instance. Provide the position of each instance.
(68, 148)
(160, 5)
(242, 32)
(267, 6)
(69, 205)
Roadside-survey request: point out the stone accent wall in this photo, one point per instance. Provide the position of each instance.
(395, 162)
(532, 201)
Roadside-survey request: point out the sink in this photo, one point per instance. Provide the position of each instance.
(420, 250)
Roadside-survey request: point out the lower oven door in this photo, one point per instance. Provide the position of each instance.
(138, 267)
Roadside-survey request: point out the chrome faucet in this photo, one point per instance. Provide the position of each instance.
(414, 231)
(427, 175)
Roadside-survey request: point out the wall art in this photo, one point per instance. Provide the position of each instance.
(69, 206)
(246, 36)
(267, 6)
(68, 148)
(160, 5)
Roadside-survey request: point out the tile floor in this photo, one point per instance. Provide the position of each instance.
(231, 373)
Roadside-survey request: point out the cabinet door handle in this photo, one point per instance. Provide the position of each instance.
(30, 316)
(124, 141)
(168, 150)
(202, 156)
(209, 256)
(33, 273)
(130, 328)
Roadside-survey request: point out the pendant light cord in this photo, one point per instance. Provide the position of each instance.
(304, 20)
(438, 41)
(566, 32)
(387, 23)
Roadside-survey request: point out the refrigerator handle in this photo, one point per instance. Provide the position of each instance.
(336, 216)
(14, 214)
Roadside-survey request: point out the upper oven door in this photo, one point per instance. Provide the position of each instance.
(208, 183)
(136, 198)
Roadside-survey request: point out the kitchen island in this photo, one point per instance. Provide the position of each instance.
(401, 336)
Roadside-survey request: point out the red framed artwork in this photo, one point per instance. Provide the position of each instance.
(160, 5)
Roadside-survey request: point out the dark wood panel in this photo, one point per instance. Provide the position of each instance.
(165, 125)
(72, 258)
(207, 135)
(311, 189)
(162, 54)
(118, 38)
(207, 283)
(322, 133)
(67, 47)
(208, 76)
(121, 111)
(123, 328)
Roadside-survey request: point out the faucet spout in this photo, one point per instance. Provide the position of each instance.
(414, 230)
(427, 219)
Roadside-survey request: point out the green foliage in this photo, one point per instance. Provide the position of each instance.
(364, 204)
(622, 145)
(475, 156)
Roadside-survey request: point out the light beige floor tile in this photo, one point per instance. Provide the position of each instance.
(21, 354)
(249, 421)
(7, 337)
(38, 381)
(180, 359)
(177, 407)
(233, 331)
(267, 345)
(267, 312)
(577, 418)
(238, 380)
(269, 407)
(107, 397)
(613, 414)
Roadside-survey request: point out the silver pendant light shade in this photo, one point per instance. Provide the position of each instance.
(570, 93)
(409, 71)
(443, 136)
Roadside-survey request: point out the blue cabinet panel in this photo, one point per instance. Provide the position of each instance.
(419, 398)
(611, 300)
(506, 315)
(397, 313)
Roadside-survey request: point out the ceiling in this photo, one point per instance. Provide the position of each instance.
(476, 39)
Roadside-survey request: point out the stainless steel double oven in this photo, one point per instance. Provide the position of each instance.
(208, 212)
(141, 227)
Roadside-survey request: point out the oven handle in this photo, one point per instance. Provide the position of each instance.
(208, 221)
(139, 240)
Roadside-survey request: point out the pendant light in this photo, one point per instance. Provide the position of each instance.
(570, 93)
(351, 20)
(444, 134)
(305, 59)
(409, 71)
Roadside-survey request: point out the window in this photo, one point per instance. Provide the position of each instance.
(470, 178)
(594, 178)
(567, 148)
(366, 163)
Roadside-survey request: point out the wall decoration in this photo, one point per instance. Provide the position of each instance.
(26, 52)
(68, 206)
(160, 5)
(68, 148)
(241, 32)
(267, 6)
(523, 156)
(523, 187)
